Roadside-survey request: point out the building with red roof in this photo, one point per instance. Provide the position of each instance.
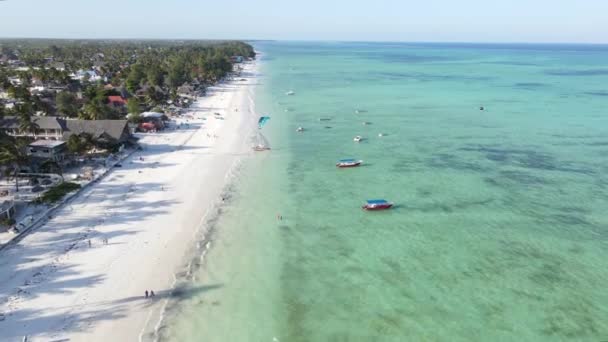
(117, 101)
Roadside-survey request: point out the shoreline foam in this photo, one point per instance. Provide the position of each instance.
(202, 241)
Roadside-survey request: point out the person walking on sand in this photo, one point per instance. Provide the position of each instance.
(152, 293)
(146, 293)
(89, 242)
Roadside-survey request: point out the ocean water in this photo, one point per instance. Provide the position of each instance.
(500, 230)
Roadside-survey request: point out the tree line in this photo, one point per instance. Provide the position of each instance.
(149, 73)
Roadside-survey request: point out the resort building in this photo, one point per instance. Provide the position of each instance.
(49, 127)
(47, 150)
(54, 128)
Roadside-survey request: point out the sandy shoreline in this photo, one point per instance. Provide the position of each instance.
(55, 287)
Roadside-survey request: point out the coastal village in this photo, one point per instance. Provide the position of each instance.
(72, 110)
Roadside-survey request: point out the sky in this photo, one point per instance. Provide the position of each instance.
(550, 21)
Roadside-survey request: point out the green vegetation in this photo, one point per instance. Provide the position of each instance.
(67, 104)
(75, 78)
(7, 222)
(13, 155)
(133, 106)
(78, 144)
(56, 193)
(149, 71)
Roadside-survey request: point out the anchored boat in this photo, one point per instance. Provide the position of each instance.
(260, 148)
(343, 163)
(377, 204)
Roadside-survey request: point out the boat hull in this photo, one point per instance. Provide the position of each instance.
(343, 166)
(377, 207)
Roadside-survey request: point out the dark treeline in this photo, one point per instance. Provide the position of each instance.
(148, 73)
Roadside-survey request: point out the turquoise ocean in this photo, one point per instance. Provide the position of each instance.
(500, 230)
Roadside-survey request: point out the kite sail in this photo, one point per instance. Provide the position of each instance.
(263, 120)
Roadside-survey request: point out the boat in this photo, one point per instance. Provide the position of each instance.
(377, 204)
(343, 163)
(381, 134)
(300, 129)
(358, 138)
(291, 92)
(359, 111)
(365, 123)
(324, 119)
(259, 148)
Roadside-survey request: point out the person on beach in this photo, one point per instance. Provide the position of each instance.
(152, 293)
(89, 243)
(146, 293)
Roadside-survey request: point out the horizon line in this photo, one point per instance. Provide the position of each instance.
(313, 40)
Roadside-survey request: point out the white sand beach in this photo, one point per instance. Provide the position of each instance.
(55, 287)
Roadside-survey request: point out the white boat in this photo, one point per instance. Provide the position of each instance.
(358, 138)
(300, 129)
(365, 123)
(381, 134)
(291, 92)
(345, 163)
(260, 148)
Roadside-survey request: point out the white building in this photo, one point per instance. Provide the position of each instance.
(47, 149)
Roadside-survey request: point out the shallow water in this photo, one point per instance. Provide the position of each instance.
(500, 227)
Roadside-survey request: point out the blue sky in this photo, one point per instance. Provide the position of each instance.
(582, 21)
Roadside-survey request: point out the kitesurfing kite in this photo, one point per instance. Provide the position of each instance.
(263, 120)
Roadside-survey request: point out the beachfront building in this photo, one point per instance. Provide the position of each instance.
(107, 132)
(49, 127)
(112, 132)
(47, 150)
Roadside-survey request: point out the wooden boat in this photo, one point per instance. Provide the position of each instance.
(377, 204)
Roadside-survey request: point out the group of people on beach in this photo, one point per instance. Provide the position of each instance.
(149, 294)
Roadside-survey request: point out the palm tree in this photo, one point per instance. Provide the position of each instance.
(95, 110)
(12, 154)
(26, 124)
